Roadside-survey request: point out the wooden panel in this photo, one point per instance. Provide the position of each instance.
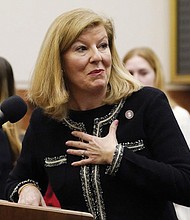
(15, 211)
(180, 41)
(23, 123)
(181, 97)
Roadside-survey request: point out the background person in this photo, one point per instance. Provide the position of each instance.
(10, 144)
(97, 136)
(144, 65)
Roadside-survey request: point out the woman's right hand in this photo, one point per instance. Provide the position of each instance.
(30, 195)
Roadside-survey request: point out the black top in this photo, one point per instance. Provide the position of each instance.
(150, 171)
(5, 161)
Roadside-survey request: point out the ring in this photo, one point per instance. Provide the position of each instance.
(83, 153)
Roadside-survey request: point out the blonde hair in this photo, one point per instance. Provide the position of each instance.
(150, 56)
(7, 89)
(48, 88)
(11, 131)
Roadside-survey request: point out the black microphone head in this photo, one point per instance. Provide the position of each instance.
(13, 109)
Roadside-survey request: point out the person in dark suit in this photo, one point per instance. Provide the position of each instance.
(10, 144)
(106, 144)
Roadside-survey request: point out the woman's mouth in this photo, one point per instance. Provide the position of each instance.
(96, 72)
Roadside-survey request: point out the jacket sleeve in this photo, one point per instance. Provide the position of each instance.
(28, 168)
(166, 174)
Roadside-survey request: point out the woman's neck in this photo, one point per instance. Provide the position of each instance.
(86, 102)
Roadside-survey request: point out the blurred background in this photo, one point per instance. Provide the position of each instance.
(23, 24)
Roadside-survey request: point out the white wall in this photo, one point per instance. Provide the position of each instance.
(23, 24)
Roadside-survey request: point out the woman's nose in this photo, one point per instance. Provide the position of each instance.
(95, 55)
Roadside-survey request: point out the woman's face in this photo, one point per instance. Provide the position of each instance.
(141, 70)
(87, 63)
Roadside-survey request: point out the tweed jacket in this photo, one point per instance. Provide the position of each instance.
(150, 169)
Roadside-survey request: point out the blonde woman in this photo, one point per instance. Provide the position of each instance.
(97, 136)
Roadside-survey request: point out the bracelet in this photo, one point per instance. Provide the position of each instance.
(117, 157)
(25, 185)
(14, 195)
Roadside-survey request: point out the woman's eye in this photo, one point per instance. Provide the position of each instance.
(144, 73)
(103, 45)
(81, 48)
(131, 72)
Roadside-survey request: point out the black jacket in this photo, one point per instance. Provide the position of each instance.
(151, 171)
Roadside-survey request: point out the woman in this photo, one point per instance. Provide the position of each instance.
(10, 144)
(144, 65)
(97, 136)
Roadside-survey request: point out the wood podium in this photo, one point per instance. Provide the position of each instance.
(15, 211)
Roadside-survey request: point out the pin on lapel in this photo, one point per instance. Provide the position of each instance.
(129, 114)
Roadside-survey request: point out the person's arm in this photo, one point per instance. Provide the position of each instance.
(167, 173)
(30, 194)
(28, 171)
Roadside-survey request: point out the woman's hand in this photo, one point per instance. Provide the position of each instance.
(30, 195)
(93, 149)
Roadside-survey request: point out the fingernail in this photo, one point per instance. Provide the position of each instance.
(116, 122)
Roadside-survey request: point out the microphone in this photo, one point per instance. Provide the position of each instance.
(12, 109)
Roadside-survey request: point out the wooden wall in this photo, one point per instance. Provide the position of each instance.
(181, 97)
(23, 123)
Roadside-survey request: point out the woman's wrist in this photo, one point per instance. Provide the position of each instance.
(115, 164)
(24, 186)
